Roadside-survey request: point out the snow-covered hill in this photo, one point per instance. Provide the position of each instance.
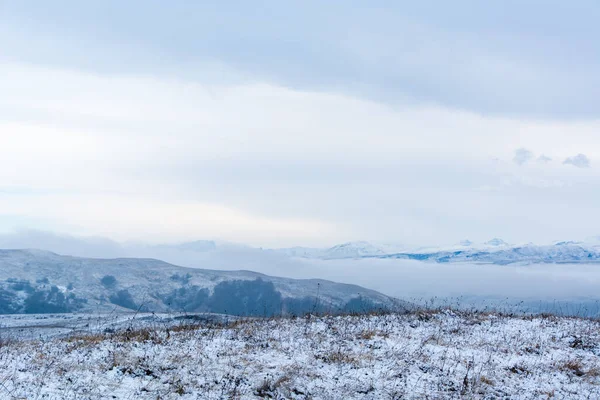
(34, 281)
(421, 355)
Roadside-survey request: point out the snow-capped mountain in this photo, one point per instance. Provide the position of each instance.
(35, 281)
(224, 255)
(356, 249)
(564, 252)
(353, 250)
(496, 242)
(495, 251)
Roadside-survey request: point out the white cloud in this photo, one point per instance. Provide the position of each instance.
(394, 52)
(522, 156)
(544, 159)
(157, 158)
(130, 217)
(579, 161)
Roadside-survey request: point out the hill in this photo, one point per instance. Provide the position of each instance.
(33, 281)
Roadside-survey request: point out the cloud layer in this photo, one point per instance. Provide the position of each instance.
(160, 159)
(381, 121)
(490, 58)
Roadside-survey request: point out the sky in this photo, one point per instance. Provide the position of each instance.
(301, 123)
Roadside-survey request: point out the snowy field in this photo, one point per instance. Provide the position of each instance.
(434, 355)
(19, 327)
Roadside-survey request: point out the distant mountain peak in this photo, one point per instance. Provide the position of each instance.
(496, 242)
(353, 249)
(567, 243)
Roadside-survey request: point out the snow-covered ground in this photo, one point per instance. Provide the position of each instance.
(19, 327)
(435, 355)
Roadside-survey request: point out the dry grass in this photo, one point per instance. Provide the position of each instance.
(338, 357)
(432, 353)
(85, 340)
(487, 381)
(573, 366)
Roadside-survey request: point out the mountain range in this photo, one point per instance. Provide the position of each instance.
(225, 255)
(495, 251)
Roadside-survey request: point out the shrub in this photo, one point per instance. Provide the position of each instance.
(109, 281)
(184, 279)
(246, 298)
(188, 299)
(20, 286)
(124, 299)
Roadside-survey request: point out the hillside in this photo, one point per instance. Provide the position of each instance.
(436, 355)
(33, 281)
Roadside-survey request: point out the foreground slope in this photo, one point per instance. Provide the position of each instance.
(436, 355)
(33, 281)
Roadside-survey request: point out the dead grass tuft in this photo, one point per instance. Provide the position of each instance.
(338, 357)
(573, 366)
(487, 381)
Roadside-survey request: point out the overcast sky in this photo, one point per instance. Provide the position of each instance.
(301, 123)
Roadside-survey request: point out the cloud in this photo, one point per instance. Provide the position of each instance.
(522, 156)
(153, 158)
(396, 52)
(129, 217)
(94, 247)
(544, 159)
(579, 161)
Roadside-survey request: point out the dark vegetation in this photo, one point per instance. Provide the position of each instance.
(124, 299)
(184, 279)
(109, 281)
(20, 296)
(256, 297)
(187, 298)
(7, 302)
(253, 298)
